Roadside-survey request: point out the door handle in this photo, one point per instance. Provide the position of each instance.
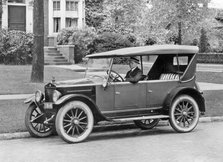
(117, 93)
(150, 91)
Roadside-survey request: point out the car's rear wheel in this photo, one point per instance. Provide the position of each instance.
(74, 122)
(146, 123)
(36, 124)
(184, 114)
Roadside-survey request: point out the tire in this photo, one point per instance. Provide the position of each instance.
(184, 114)
(74, 122)
(34, 127)
(146, 123)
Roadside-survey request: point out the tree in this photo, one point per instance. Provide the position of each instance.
(122, 16)
(38, 53)
(94, 13)
(174, 18)
(0, 14)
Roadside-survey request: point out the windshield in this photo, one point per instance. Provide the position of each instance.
(97, 68)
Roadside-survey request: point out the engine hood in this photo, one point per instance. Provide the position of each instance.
(74, 82)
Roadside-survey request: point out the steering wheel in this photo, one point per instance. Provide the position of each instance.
(115, 77)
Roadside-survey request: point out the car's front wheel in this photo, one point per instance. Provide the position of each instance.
(184, 114)
(35, 121)
(146, 123)
(74, 122)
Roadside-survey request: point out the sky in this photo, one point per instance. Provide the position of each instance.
(216, 4)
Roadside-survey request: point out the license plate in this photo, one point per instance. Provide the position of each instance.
(48, 105)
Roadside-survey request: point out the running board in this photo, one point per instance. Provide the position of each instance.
(141, 118)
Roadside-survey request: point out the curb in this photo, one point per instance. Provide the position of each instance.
(108, 127)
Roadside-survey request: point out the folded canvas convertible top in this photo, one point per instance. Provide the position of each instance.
(147, 50)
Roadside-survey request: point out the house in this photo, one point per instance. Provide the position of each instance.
(58, 14)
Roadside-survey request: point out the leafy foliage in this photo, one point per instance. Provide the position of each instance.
(122, 16)
(94, 13)
(15, 47)
(110, 41)
(64, 35)
(82, 39)
(163, 18)
(213, 58)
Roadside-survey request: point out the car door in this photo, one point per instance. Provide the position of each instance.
(157, 91)
(129, 96)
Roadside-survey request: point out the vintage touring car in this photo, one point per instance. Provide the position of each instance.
(166, 91)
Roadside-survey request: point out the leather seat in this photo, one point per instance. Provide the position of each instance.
(169, 76)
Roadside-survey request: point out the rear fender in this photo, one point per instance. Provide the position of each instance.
(71, 97)
(196, 95)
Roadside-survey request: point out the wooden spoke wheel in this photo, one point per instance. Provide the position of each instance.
(74, 122)
(184, 114)
(36, 124)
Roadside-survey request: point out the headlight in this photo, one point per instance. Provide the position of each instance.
(56, 95)
(39, 96)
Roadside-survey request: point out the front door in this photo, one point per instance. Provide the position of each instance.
(129, 96)
(17, 18)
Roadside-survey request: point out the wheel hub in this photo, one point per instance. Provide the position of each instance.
(184, 113)
(76, 121)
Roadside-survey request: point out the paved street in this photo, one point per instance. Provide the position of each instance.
(160, 144)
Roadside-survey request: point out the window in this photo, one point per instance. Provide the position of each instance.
(71, 5)
(16, 1)
(56, 5)
(56, 25)
(183, 60)
(70, 22)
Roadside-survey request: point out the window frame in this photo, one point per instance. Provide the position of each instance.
(55, 30)
(57, 6)
(69, 5)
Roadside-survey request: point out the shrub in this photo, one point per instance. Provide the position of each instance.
(64, 35)
(87, 41)
(15, 47)
(82, 39)
(213, 58)
(110, 41)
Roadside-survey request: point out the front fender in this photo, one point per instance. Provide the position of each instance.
(65, 98)
(92, 105)
(30, 99)
(188, 91)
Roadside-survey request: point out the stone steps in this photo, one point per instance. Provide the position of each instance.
(54, 57)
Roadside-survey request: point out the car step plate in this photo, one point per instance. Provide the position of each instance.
(141, 118)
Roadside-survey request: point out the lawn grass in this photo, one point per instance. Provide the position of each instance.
(210, 77)
(16, 79)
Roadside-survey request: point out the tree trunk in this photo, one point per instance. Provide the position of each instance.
(179, 33)
(38, 52)
(0, 14)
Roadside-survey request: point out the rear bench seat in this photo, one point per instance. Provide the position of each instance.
(169, 76)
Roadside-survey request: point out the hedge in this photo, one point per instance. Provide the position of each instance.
(15, 47)
(213, 58)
